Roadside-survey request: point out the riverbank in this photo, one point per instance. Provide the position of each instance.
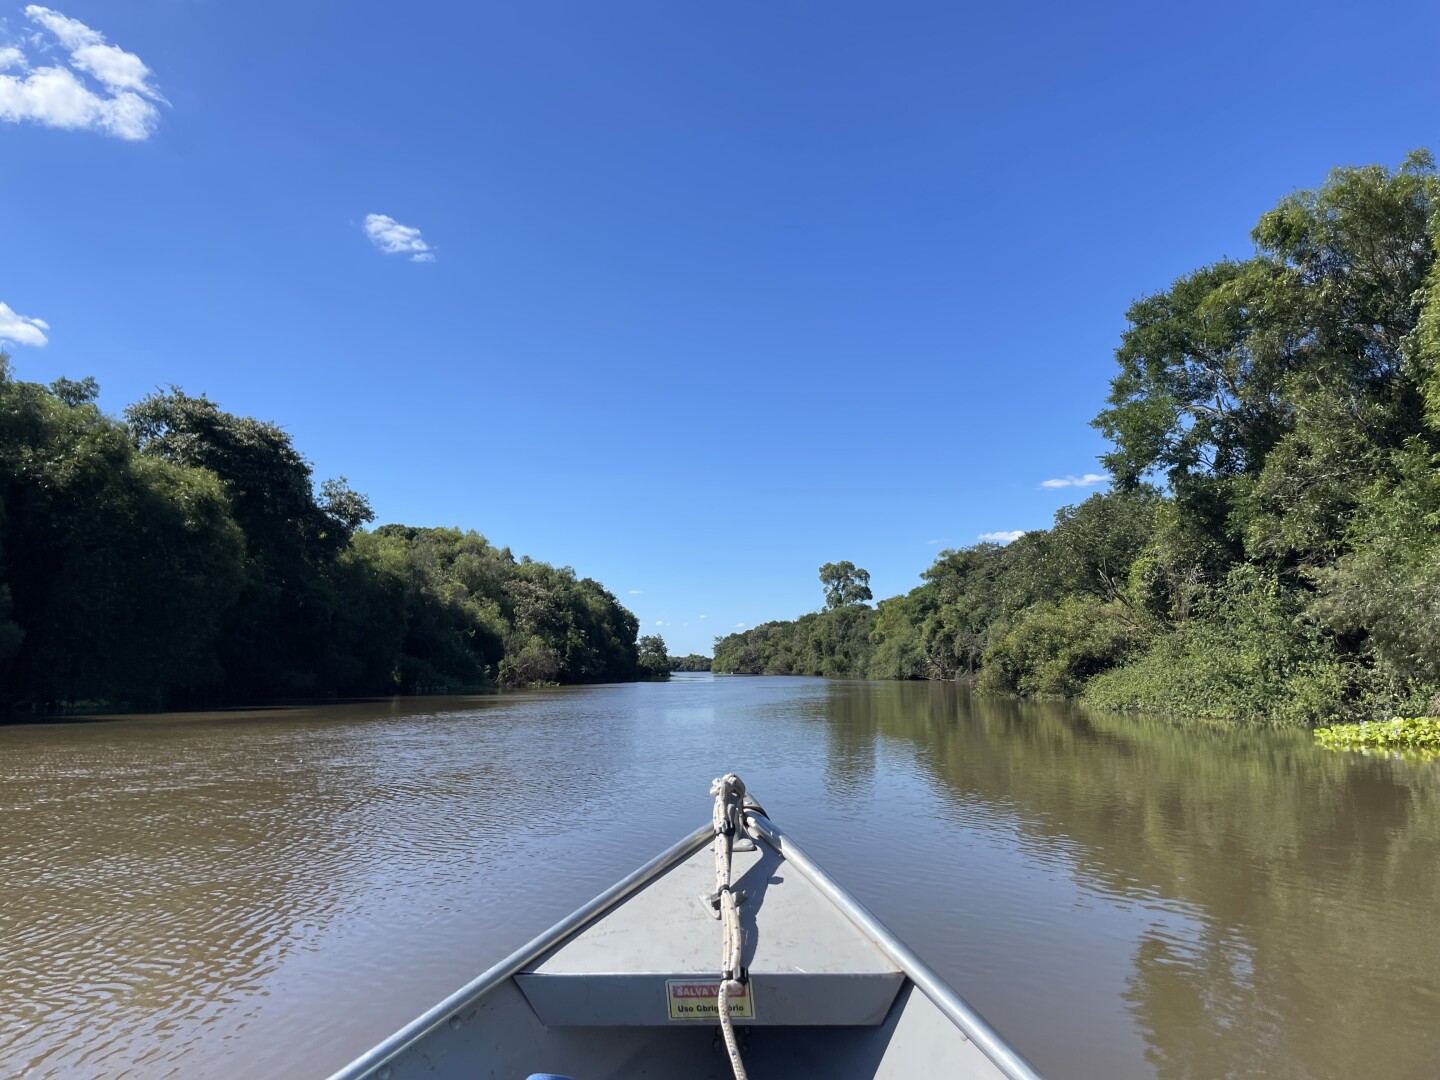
(1265, 551)
(183, 556)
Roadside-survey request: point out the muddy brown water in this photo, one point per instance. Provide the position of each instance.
(270, 892)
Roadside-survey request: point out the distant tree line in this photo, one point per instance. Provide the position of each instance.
(183, 556)
(833, 642)
(693, 662)
(1270, 544)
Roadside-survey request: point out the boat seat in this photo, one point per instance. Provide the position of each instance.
(653, 959)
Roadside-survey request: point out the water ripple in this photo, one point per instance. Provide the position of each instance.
(253, 892)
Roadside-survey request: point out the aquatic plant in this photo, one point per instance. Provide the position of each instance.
(1418, 734)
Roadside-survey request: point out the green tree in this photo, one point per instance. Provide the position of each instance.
(693, 662)
(1342, 307)
(654, 657)
(1250, 654)
(115, 569)
(1096, 542)
(896, 634)
(1215, 370)
(966, 594)
(845, 584)
(1383, 594)
(1191, 396)
(1054, 647)
(1423, 347)
(279, 635)
(186, 556)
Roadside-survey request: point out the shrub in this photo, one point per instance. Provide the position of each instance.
(1250, 655)
(1054, 646)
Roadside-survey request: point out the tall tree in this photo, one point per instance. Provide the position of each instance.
(654, 657)
(278, 636)
(845, 584)
(115, 569)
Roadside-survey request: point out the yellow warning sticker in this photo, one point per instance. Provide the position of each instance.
(701, 1001)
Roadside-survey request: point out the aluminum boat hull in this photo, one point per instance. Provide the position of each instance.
(624, 988)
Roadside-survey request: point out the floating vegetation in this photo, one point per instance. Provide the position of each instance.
(1417, 736)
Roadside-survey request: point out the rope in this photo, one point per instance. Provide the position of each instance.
(729, 791)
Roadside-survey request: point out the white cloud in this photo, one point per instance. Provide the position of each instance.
(636, 592)
(71, 33)
(392, 238)
(21, 329)
(704, 616)
(661, 622)
(1090, 479)
(116, 68)
(932, 543)
(56, 97)
(112, 65)
(739, 626)
(1002, 536)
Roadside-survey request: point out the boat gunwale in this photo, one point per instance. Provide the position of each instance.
(941, 994)
(378, 1056)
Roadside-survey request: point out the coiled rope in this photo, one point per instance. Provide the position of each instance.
(729, 792)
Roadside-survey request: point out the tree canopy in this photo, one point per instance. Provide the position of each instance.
(185, 556)
(845, 584)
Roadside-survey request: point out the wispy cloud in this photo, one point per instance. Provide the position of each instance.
(392, 238)
(932, 543)
(661, 622)
(124, 105)
(739, 626)
(21, 329)
(1090, 479)
(636, 592)
(704, 616)
(1001, 536)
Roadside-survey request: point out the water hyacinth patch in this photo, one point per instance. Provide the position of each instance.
(1418, 734)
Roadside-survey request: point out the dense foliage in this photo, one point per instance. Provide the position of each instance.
(1270, 545)
(184, 555)
(654, 658)
(693, 662)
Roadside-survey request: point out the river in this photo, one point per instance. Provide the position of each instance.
(268, 892)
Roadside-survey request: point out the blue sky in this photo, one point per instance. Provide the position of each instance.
(692, 297)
